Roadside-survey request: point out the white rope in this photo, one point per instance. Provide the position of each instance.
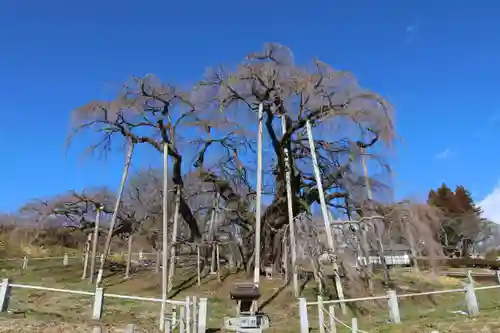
(341, 322)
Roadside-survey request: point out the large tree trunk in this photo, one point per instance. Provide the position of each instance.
(184, 209)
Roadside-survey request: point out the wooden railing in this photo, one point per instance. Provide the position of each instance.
(191, 318)
(325, 308)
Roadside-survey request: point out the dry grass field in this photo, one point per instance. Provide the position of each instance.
(44, 311)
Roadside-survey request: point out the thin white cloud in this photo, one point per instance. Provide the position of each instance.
(411, 28)
(444, 155)
(492, 121)
(410, 31)
(491, 205)
(494, 118)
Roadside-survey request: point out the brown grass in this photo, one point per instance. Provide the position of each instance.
(40, 311)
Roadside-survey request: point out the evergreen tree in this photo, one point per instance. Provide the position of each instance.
(461, 216)
(465, 202)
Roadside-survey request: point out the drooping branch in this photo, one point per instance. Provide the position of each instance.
(214, 124)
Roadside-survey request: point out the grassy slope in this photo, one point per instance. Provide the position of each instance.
(37, 311)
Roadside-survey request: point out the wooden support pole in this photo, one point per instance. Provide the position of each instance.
(291, 224)
(129, 256)
(258, 201)
(319, 185)
(213, 220)
(258, 208)
(164, 275)
(212, 258)
(376, 228)
(174, 238)
(198, 264)
(285, 259)
(217, 257)
(324, 212)
(411, 240)
(158, 261)
(94, 243)
(469, 276)
(86, 256)
(114, 217)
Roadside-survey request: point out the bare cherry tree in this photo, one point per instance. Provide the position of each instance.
(415, 224)
(330, 99)
(77, 211)
(214, 123)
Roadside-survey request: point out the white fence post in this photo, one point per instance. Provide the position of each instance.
(470, 298)
(354, 325)
(321, 315)
(188, 314)
(195, 314)
(168, 325)
(498, 276)
(25, 262)
(173, 317)
(393, 307)
(331, 313)
(4, 295)
(65, 260)
(202, 315)
(182, 319)
(130, 328)
(97, 329)
(469, 276)
(98, 304)
(304, 322)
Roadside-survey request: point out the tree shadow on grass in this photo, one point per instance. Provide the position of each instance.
(303, 285)
(228, 273)
(273, 297)
(186, 284)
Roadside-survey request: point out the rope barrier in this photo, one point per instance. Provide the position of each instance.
(340, 322)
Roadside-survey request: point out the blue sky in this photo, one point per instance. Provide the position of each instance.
(436, 61)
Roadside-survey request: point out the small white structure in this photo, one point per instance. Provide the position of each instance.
(396, 260)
